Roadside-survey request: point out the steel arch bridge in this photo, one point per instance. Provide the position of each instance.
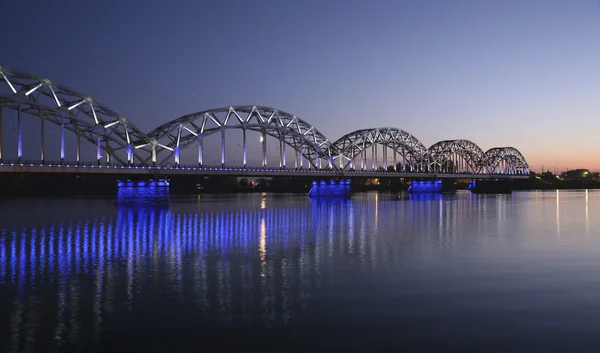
(399, 142)
(308, 143)
(120, 144)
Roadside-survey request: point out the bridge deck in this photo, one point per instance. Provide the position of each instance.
(33, 168)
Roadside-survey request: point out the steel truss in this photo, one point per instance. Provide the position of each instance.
(72, 111)
(119, 139)
(412, 153)
(506, 160)
(457, 156)
(308, 143)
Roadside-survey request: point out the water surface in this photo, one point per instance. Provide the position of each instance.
(462, 272)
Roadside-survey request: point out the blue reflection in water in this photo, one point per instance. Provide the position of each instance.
(143, 193)
(227, 263)
(222, 259)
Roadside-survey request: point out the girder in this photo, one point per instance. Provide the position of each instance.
(83, 114)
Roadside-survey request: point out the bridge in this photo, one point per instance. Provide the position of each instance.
(119, 147)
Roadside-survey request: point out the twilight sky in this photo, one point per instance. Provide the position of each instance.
(519, 73)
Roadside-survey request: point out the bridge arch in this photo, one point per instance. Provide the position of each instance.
(72, 111)
(308, 143)
(457, 156)
(412, 152)
(506, 160)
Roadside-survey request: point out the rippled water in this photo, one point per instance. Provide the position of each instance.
(516, 272)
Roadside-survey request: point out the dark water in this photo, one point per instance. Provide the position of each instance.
(281, 273)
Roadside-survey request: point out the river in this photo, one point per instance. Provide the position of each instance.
(276, 272)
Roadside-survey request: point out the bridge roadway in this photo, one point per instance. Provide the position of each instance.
(28, 167)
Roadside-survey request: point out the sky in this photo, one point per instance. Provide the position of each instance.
(499, 73)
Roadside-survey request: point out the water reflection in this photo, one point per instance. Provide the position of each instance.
(249, 260)
(557, 213)
(587, 213)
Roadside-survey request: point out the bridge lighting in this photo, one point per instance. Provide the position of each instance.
(33, 89)
(75, 105)
(261, 139)
(111, 124)
(12, 88)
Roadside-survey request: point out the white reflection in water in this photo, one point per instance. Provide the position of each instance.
(557, 213)
(587, 213)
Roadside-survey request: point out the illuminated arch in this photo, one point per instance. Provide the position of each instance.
(412, 152)
(506, 160)
(457, 156)
(290, 130)
(72, 111)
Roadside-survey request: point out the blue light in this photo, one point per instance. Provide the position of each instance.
(425, 186)
(333, 189)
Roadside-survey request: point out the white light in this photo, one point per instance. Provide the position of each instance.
(261, 139)
(111, 124)
(75, 105)
(12, 88)
(33, 89)
(55, 97)
(94, 113)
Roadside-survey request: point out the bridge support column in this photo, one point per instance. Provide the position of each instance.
(200, 156)
(43, 139)
(245, 158)
(403, 160)
(263, 136)
(78, 149)
(395, 160)
(362, 159)
(62, 141)
(280, 153)
(283, 153)
(373, 156)
(1, 135)
(317, 161)
(153, 146)
(129, 148)
(296, 158)
(99, 151)
(176, 155)
(20, 133)
(222, 147)
(385, 156)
